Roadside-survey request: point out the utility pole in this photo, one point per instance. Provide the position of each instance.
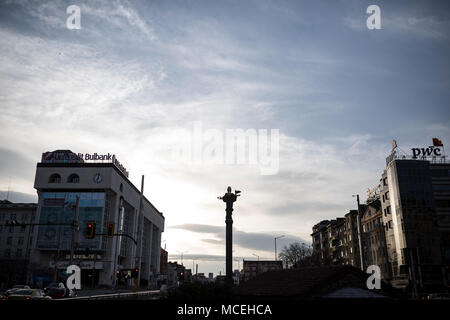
(360, 242)
(61, 221)
(140, 230)
(276, 258)
(74, 228)
(118, 240)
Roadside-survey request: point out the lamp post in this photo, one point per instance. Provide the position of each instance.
(276, 246)
(182, 255)
(57, 256)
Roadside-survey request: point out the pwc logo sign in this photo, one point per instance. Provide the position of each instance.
(431, 151)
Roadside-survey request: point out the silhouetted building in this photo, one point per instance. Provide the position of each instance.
(163, 261)
(374, 238)
(15, 241)
(335, 242)
(252, 268)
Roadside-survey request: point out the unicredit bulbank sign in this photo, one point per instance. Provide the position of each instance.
(67, 156)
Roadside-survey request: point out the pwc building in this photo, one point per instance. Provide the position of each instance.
(92, 189)
(415, 203)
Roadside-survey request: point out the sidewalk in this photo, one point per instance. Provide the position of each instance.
(100, 291)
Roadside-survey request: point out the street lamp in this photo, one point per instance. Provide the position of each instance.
(182, 255)
(276, 246)
(360, 243)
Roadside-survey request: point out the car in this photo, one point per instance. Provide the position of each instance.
(58, 290)
(15, 288)
(438, 296)
(27, 294)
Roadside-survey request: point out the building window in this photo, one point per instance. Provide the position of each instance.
(7, 253)
(20, 241)
(9, 240)
(55, 178)
(19, 253)
(73, 178)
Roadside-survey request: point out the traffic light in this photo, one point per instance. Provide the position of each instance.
(181, 276)
(110, 230)
(90, 229)
(135, 272)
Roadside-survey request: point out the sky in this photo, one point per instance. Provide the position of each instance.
(139, 78)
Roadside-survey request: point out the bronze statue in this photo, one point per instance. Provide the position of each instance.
(229, 198)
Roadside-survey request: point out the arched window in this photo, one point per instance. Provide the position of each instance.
(55, 178)
(73, 178)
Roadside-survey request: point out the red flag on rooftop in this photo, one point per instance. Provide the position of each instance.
(437, 142)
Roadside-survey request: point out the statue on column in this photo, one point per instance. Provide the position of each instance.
(229, 198)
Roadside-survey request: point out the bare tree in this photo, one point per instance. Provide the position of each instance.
(296, 254)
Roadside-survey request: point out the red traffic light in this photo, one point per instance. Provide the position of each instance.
(90, 229)
(110, 230)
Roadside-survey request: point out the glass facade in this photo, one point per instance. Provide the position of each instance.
(59, 207)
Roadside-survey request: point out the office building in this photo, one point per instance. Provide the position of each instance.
(414, 198)
(92, 188)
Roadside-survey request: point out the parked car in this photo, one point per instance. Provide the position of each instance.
(27, 294)
(438, 296)
(15, 288)
(58, 290)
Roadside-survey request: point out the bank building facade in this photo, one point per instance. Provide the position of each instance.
(96, 193)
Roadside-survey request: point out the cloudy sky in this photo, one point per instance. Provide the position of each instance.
(139, 75)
